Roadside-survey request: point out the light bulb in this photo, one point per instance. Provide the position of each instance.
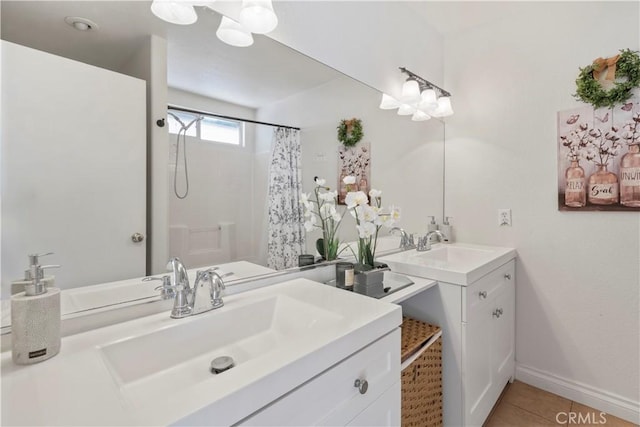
(428, 101)
(388, 102)
(406, 110)
(444, 107)
(420, 116)
(258, 16)
(410, 92)
(174, 11)
(233, 33)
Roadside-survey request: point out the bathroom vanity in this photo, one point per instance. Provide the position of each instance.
(298, 347)
(474, 304)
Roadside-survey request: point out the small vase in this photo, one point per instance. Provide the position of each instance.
(630, 177)
(575, 195)
(368, 280)
(603, 187)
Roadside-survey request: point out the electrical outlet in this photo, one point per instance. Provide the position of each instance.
(504, 217)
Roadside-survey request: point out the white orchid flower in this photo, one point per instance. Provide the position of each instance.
(328, 196)
(349, 179)
(366, 230)
(310, 224)
(336, 216)
(375, 193)
(320, 182)
(367, 213)
(356, 198)
(327, 210)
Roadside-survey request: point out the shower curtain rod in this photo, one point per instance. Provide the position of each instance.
(187, 110)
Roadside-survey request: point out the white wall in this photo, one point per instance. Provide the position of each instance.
(406, 156)
(578, 272)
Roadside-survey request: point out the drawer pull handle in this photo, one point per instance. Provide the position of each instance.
(507, 276)
(361, 385)
(482, 294)
(497, 312)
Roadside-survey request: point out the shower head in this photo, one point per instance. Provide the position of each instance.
(176, 118)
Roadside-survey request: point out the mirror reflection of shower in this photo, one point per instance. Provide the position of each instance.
(182, 132)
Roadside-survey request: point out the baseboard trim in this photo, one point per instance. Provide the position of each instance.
(604, 401)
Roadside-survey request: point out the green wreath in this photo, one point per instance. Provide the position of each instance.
(350, 132)
(590, 90)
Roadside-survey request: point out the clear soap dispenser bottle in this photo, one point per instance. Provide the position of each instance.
(432, 226)
(35, 317)
(447, 230)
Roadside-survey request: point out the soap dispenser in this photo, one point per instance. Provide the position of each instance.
(432, 226)
(35, 317)
(447, 230)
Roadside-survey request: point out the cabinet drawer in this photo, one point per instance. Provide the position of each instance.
(480, 292)
(331, 398)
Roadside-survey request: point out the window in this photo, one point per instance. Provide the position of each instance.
(209, 129)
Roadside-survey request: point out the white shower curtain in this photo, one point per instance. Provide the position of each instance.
(286, 235)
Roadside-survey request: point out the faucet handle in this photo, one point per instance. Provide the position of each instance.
(218, 288)
(424, 244)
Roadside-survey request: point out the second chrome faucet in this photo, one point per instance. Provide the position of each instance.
(205, 295)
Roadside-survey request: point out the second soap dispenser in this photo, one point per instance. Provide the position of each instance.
(447, 230)
(35, 318)
(432, 226)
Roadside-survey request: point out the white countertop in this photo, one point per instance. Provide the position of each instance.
(78, 387)
(457, 263)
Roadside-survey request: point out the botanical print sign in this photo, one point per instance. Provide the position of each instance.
(599, 158)
(354, 161)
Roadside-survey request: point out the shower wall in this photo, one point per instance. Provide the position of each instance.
(216, 222)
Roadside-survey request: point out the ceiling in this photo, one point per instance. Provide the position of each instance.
(197, 61)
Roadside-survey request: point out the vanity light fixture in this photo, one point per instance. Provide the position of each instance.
(233, 33)
(258, 16)
(420, 98)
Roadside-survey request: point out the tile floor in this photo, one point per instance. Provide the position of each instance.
(522, 405)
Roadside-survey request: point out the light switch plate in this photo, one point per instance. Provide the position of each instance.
(504, 217)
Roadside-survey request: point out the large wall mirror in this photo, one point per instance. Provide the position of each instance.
(222, 219)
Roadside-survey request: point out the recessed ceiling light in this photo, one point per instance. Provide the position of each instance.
(81, 24)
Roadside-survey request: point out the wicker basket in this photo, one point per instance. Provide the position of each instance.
(422, 379)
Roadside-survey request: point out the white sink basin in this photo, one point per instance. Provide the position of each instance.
(179, 355)
(453, 263)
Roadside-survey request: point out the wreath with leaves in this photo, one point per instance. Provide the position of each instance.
(589, 89)
(350, 132)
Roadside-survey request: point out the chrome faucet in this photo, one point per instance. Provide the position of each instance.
(205, 295)
(406, 240)
(424, 243)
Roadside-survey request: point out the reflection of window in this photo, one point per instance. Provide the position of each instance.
(210, 128)
(221, 130)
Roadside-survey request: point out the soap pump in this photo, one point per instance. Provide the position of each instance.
(432, 226)
(35, 317)
(447, 230)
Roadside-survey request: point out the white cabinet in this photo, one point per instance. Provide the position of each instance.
(478, 323)
(332, 399)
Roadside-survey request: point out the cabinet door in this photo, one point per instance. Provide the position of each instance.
(385, 411)
(503, 342)
(477, 367)
(331, 399)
